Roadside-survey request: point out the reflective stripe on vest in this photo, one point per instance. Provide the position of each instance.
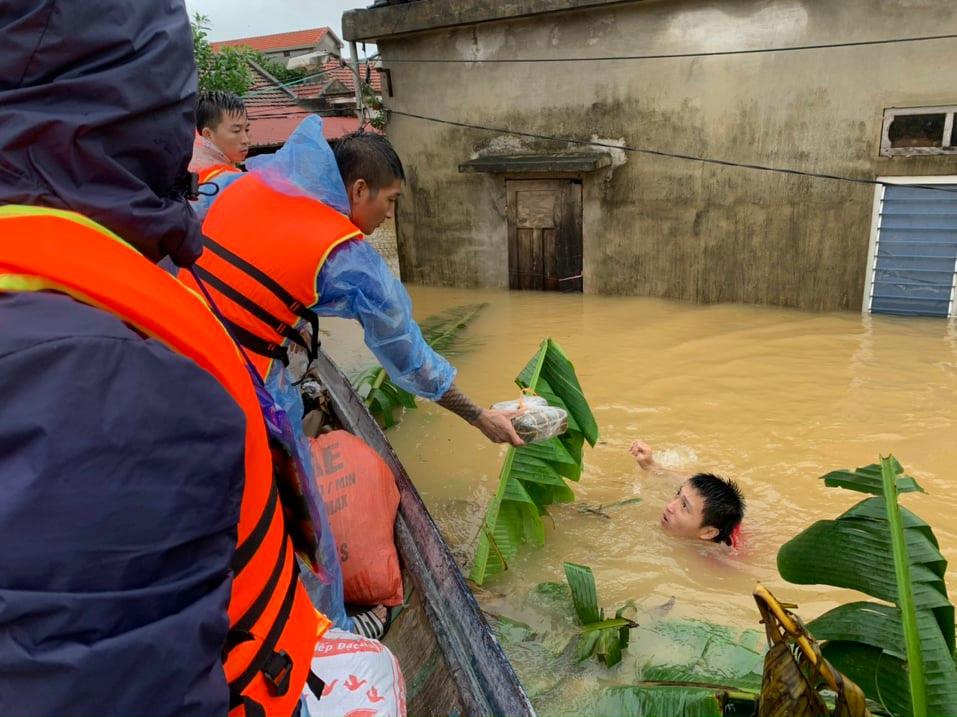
(210, 173)
(263, 255)
(51, 250)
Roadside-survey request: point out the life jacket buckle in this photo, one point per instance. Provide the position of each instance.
(278, 671)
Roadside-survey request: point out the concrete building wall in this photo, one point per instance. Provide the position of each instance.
(668, 227)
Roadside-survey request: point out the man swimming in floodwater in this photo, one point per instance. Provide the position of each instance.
(705, 507)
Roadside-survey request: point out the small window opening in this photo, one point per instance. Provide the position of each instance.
(917, 130)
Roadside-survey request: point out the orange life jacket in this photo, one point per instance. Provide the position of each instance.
(264, 250)
(273, 626)
(210, 173)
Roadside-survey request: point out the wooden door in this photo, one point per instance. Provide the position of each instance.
(545, 234)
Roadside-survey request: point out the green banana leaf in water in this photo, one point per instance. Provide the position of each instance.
(902, 653)
(534, 476)
(671, 663)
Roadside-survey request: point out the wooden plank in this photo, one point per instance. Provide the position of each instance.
(429, 687)
(529, 265)
(511, 211)
(536, 208)
(550, 259)
(570, 238)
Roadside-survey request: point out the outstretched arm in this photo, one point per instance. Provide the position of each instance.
(645, 458)
(495, 425)
(355, 283)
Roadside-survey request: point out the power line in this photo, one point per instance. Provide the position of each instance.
(662, 153)
(667, 56)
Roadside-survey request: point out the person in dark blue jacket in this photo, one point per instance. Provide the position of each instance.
(119, 499)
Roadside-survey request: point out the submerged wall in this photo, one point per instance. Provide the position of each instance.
(669, 227)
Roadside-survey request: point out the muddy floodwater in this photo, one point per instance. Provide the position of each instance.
(774, 398)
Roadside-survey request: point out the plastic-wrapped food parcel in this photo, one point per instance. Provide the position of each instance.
(539, 421)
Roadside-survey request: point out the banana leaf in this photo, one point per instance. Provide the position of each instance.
(601, 637)
(681, 650)
(900, 654)
(867, 479)
(661, 701)
(533, 476)
(443, 333)
(581, 580)
(663, 652)
(877, 632)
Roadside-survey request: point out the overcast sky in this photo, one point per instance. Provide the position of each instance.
(244, 18)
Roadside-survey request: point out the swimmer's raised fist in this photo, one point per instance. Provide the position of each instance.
(643, 454)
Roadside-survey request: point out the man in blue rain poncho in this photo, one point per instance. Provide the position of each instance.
(284, 245)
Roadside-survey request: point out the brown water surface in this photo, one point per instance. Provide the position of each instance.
(774, 398)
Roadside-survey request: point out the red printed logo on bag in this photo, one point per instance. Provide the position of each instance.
(330, 648)
(354, 683)
(374, 695)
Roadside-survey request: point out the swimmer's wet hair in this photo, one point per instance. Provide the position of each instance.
(213, 104)
(368, 156)
(723, 504)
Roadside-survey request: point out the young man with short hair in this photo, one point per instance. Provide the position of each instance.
(222, 134)
(705, 506)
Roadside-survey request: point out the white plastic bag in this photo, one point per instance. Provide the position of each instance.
(539, 422)
(362, 678)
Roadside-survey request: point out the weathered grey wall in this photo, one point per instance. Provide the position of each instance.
(666, 227)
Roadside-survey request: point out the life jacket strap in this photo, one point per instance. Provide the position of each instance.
(258, 345)
(275, 666)
(257, 274)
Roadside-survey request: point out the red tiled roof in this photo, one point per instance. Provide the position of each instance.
(334, 70)
(278, 41)
(274, 113)
(275, 129)
(265, 92)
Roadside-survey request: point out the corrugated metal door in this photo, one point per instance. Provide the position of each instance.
(916, 252)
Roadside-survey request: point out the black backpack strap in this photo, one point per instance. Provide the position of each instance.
(316, 685)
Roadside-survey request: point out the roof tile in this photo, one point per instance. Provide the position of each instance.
(277, 41)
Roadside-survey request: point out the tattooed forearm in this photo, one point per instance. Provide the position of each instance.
(461, 405)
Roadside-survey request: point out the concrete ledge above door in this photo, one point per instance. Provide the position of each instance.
(537, 163)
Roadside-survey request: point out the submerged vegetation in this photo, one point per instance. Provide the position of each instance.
(894, 655)
(604, 638)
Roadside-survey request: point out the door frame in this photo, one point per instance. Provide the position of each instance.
(876, 228)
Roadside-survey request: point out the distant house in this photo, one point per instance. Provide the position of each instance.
(719, 80)
(320, 43)
(276, 109)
